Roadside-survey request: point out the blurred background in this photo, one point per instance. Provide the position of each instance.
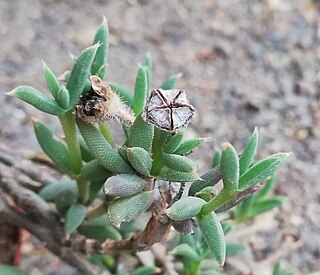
(244, 64)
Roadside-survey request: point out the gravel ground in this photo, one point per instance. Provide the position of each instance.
(244, 64)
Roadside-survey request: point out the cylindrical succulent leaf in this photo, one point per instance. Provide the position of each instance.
(171, 82)
(93, 170)
(179, 163)
(207, 193)
(74, 217)
(212, 233)
(186, 251)
(63, 98)
(188, 145)
(141, 134)
(169, 174)
(140, 91)
(54, 148)
(80, 73)
(261, 170)
(249, 152)
(99, 229)
(123, 185)
(229, 166)
(211, 178)
(37, 99)
(128, 208)
(173, 143)
(148, 66)
(185, 208)
(140, 160)
(101, 149)
(101, 37)
(126, 96)
(51, 80)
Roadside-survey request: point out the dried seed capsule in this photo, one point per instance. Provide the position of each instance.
(123, 185)
(168, 110)
(102, 104)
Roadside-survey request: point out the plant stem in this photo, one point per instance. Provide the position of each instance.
(84, 190)
(157, 150)
(105, 131)
(221, 199)
(96, 212)
(68, 123)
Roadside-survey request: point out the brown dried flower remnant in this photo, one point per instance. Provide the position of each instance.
(102, 104)
(168, 110)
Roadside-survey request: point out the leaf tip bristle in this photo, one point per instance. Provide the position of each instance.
(11, 93)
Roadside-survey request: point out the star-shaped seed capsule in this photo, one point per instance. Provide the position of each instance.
(168, 110)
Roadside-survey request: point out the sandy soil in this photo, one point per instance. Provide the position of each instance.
(245, 64)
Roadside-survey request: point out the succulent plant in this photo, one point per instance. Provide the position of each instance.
(141, 175)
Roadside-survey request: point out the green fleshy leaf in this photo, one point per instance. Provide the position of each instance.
(128, 208)
(63, 98)
(9, 270)
(216, 158)
(261, 170)
(65, 200)
(189, 145)
(80, 73)
(37, 99)
(141, 135)
(234, 249)
(54, 148)
(229, 167)
(51, 80)
(74, 217)
(249, 152)
(94, 171)
(186, 251)
(140, 160)
(172, 175)
(179, 163)
(264, 206)
(101, 149)
(173, 143)
(169, 83)
(211, 178)
(94, 190)
(52, 190)
(101, 37)
(185, 208)
(102, 71)
(124, 185)
(126, 96)
(144, 270)
(85, 152)
(99, 229)
(148, 66)
(105, 131)
(140, 91)
(207, 193)
(212, 233)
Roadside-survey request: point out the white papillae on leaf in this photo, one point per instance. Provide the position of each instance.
(168, 110)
